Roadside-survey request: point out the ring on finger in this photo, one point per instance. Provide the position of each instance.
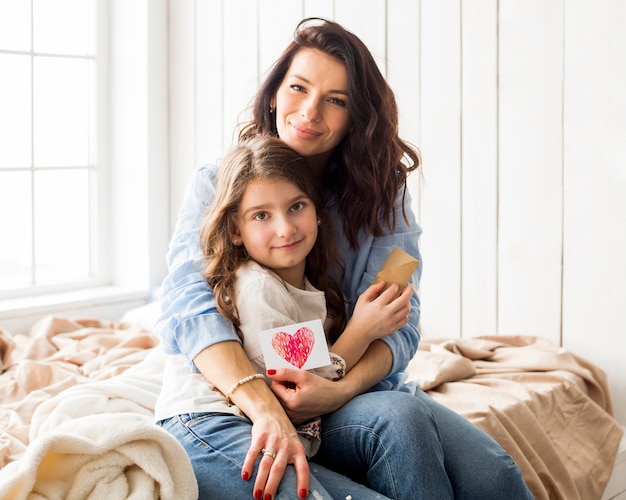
(268, 453)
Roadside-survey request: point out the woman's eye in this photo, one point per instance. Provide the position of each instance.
(260, 216)
(337, 101)
(297, 87)
(297, 206)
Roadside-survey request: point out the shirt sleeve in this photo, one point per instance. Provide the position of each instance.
(370, 257)
(189, 320)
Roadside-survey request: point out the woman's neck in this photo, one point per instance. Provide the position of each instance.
(317, 163)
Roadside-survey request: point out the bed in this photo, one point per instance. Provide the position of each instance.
(77, 395)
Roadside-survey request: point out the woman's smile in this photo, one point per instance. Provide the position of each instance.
(312, 114)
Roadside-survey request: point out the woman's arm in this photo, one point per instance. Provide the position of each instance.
(189, 319)
(271, 427)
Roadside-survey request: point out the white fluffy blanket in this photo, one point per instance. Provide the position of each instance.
(98, 440)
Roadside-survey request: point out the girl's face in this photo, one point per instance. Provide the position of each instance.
(312, 104)
(277, 224)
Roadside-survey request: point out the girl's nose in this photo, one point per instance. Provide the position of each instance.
(284, 227)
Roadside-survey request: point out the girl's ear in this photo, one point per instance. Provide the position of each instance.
(235, 237)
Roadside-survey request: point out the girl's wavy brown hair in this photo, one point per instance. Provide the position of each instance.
(373, 161)
(264, 157)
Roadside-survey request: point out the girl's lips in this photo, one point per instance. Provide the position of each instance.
(289, 246)
(304, 132)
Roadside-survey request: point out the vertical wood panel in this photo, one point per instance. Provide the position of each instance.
(276, 26)
(440, 143)
(240, 63)
(319, 8)
(210, 131)
(370, 28)
(530, 168)
(182, 106)
(594, 314)
(479, 167)
(403, 75)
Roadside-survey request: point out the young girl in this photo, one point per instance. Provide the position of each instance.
(267, 256)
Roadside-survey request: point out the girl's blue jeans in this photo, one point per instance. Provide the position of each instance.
(384, 444)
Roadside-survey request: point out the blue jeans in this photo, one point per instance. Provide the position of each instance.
(385, 444)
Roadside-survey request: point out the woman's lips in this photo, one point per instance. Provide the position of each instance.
(305, 132)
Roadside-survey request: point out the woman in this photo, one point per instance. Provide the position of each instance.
(326, 99)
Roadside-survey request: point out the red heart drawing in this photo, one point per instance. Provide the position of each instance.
(296, 348)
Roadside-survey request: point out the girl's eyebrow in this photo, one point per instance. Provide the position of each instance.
(305, 80)
(265, 206)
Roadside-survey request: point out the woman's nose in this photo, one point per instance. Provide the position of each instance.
(311, 109)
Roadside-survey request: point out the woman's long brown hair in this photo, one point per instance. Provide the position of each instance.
(264, 157)
(373, 161)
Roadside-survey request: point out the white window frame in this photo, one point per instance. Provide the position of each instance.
(133, 196)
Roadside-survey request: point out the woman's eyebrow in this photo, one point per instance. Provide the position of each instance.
(305, 80)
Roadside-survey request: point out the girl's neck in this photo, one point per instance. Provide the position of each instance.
(294, 277)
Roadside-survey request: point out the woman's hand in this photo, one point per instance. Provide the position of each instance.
(278, 444)
(271, 428)
(305, 395)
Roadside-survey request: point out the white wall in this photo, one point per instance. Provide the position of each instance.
(519, 109)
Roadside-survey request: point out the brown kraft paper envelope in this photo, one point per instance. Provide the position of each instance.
(398, 268)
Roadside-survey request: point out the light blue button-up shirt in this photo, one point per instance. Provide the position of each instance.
(190, 321)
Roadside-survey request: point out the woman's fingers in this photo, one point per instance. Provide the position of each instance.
(271, 470)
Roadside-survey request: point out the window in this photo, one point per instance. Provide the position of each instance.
(84, 160)
(49, 162)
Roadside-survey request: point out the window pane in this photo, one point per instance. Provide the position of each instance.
(61, 226)
(14, 25)
(63, 26)
(15, 224)
(61, 111)
(15, 111)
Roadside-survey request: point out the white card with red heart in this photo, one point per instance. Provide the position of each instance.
(300, 346)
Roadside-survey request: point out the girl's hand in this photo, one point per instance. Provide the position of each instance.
(377, 313)
(278, 445)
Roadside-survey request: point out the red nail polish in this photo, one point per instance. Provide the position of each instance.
(258, 494)
(303, 493)
(268, 496)
(271, 372)
(245, 476)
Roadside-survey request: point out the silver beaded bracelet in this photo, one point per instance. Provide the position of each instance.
(236, 385)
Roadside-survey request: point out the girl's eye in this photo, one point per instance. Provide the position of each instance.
(297, 206)
(260, 216)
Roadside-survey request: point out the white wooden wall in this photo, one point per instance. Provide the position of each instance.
(519, 109)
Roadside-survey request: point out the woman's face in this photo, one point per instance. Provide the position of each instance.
(311, 104)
